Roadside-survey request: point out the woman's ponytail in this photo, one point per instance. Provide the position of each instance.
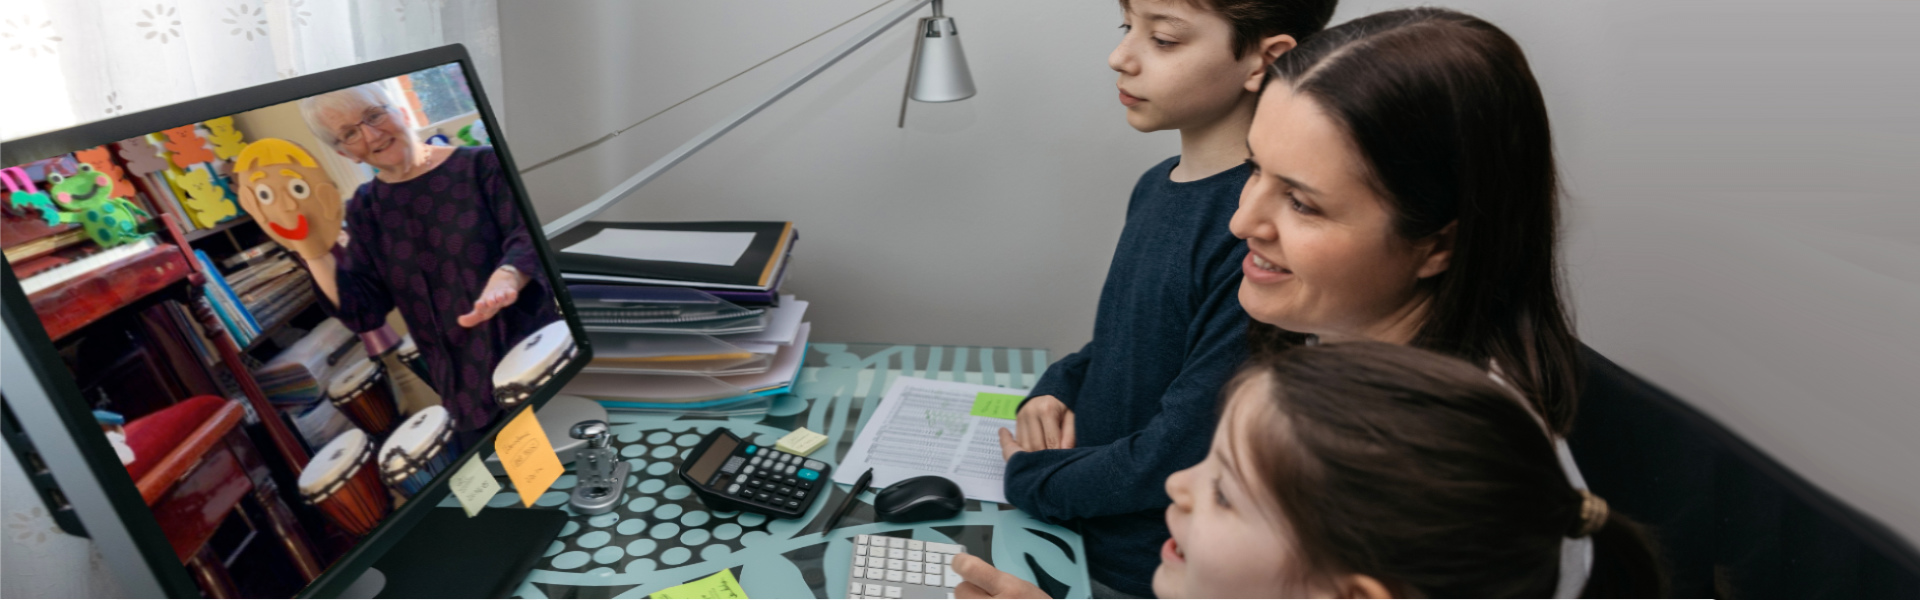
(1625, 564)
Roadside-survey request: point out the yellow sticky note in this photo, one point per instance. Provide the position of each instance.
(527, 456)
(801, 442)
(718, 585)
(997, 406)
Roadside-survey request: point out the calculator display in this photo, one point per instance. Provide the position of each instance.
(722, 448)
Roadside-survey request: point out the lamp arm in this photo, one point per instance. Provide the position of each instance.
(653, 171)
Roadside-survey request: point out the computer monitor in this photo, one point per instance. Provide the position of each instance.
(249, 337)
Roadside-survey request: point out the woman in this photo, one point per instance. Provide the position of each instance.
(1288, 502)
(437, 234)
(1404, 191)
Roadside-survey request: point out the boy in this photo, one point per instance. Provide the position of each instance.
(1107, 425)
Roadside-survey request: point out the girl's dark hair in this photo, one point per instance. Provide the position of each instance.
(1418, 470)
(1253, 20)
(1451, 126)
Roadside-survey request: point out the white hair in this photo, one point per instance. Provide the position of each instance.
(350, 101)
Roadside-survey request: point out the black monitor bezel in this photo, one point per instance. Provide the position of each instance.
(41, 358)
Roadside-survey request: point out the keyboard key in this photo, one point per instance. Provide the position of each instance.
(913, 578)
(894, 542)
(859, 561)
(896, 564)
(944, 548)
(859, 550)
(916, 545)
(933, 580)
(893, 591)
(873, 589)
(896, 553)
(855, 588)
(860, 539)
(915, 567)
(951, 577)
(946, 559)
(915, 554)
(896, 576)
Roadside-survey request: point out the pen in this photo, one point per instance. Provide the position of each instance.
(859, 486)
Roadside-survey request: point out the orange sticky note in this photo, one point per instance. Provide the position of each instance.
(527, 456)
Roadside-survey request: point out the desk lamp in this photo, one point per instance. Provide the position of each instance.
(939, 74)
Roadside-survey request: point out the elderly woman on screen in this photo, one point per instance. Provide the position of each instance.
(437, 234)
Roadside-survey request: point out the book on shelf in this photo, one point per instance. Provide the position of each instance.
(226, 304)
(263, 251)
(725, 255)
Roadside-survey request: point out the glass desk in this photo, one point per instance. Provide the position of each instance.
(661, 535)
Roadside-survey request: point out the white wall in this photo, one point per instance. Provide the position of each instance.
(1741, 227)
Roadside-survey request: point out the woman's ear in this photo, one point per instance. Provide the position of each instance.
(1361, 586)
(1267, 51)
(1439, 251)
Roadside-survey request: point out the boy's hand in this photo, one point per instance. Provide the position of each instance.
(1045, 423)
(981, 580)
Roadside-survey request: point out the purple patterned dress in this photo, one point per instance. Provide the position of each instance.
(427, 246)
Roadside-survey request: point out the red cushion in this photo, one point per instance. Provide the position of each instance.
(154, 435)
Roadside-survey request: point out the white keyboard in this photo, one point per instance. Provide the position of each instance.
(68, 272)
(891, 567)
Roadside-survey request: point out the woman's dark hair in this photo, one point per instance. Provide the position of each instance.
(1418, 470)
(1253, 20)
(1451, 126)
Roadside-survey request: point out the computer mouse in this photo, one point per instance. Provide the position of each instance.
(924, 498)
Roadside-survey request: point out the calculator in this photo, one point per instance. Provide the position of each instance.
(727, 473)
(895, 567)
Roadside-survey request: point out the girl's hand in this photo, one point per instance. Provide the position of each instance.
(503, 288)
(981, 580)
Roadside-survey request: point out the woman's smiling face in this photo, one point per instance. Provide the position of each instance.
(372, 134)
(1323, 257)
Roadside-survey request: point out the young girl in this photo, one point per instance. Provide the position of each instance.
(1371, 470)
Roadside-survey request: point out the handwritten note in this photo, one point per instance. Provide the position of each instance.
(527, 456)
(997, 406)
(718, 585)
(473, 486)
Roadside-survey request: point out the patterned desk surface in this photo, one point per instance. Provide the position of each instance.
(662, 536)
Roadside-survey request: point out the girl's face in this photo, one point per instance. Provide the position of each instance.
(1230, 539)
(1177, 68)
(1323, 257)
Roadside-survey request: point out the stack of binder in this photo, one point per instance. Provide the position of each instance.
(684, 317)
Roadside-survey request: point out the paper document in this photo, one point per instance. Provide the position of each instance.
(929, 427)
(702, 247)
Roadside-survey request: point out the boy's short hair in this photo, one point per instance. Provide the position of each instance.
(1255, 19)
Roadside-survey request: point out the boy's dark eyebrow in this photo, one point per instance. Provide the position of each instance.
(1176, 22)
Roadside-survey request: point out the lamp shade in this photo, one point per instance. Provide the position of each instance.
(940, 72)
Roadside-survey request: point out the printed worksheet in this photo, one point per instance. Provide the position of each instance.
(930, 427)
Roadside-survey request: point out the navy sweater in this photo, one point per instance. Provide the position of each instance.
(1168, 335)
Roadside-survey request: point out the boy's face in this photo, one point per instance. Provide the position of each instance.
(1177, 68)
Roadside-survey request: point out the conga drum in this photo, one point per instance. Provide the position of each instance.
(342, 482)
(361, 392)
(532, 362)
(418, 450)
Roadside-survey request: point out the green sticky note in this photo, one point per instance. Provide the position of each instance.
(474, 486)
(717, 585)
(997, 406)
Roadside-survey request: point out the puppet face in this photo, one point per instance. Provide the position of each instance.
(297, 205)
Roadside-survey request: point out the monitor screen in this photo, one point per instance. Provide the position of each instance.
(289, 320)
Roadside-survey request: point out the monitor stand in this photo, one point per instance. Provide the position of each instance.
(448, 555)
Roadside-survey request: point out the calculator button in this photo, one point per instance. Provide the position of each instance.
(873, 589)
(789, 469)
(733, 489)
(747, 471)
(762, 452)
(769, 486)
(751, 448)
(808, 474)
(800, 494)
(804, 484)
(786, 491)
(893, 591)
(814, 464)
(762, 496)
(793, 505)
(790, 481)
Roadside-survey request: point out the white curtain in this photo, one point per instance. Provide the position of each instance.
(73, 61)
